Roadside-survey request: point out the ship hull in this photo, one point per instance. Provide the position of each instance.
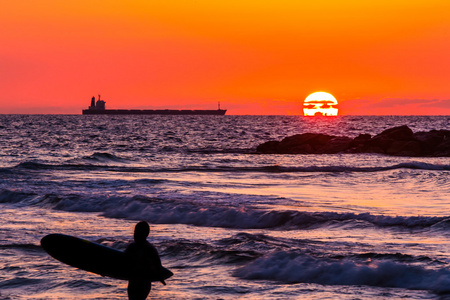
(217, 112)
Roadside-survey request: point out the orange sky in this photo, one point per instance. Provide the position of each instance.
(256, 57)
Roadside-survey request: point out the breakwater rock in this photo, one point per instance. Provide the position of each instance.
(398, 141)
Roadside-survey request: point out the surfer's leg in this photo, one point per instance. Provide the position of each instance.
(138, 289)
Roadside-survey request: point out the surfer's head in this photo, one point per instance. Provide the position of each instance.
(141, 231)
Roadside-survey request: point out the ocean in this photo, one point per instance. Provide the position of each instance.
(230, 224)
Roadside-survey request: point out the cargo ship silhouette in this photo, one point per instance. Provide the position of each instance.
(98, 108)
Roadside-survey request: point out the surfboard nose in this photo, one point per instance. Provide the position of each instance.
(51, 240)
(47, 241)
(57, 245)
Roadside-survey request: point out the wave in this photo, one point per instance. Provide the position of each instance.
(7, 196)
(174, 212)
(19, 282)
(262, 257)
(334, 169)
(30, 165)
(107, 164)
(206, 214)
(308, 169)
(22, 247)
(95, 161)
(104, 157)
(294, 267)
(200, 253)
(241, 247)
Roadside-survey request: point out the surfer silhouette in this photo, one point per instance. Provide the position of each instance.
(144, 260)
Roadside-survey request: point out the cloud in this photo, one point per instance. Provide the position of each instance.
(438, 103)
(386, 103)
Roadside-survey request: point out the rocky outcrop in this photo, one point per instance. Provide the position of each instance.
(398, 141)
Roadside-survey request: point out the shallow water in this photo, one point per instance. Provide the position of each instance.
(229, 223)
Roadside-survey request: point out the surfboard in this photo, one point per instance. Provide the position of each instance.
(93, 257)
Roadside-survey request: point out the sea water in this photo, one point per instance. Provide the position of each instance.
(228, 222)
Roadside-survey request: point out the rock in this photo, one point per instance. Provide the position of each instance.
(335, 145)
(443, 149)
(396, 133)
(299, 149)
(404, 148)
(386, 139)
(360, 140)
(372, 149)
(303, 143)
(358, 144)
(362, 137)
(431, 140)
(380, 142)
(269, 147)
(398, 141)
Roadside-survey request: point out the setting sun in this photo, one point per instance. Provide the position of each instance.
(320, 104)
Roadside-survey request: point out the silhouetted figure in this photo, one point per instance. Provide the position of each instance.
(145, 260)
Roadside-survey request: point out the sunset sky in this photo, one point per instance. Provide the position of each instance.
(256, 57)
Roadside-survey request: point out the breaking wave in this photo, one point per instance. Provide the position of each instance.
(165, 211)
(292, 267)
